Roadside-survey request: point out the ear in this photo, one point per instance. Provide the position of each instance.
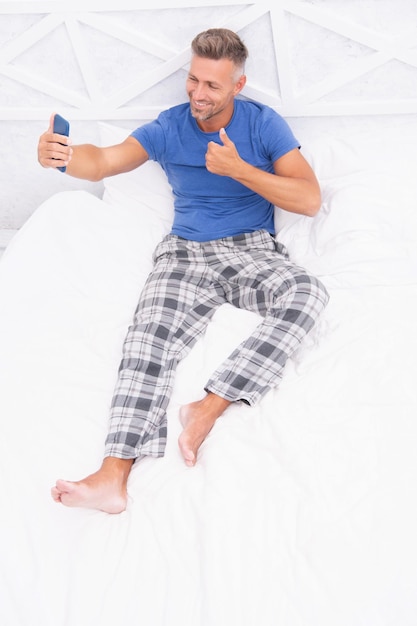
(240, 84)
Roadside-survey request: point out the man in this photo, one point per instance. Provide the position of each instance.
(229, 161)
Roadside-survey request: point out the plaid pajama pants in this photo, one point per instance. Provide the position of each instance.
(189, 281)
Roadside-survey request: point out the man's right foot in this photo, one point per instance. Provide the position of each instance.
(105, 490)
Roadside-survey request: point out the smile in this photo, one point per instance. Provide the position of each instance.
(200, 105)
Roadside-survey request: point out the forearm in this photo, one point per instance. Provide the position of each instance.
(87, 162)
(94, 163)
(293, 194)
(293, 186)
(81, 161)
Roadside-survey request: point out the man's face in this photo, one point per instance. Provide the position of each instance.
(211, 87)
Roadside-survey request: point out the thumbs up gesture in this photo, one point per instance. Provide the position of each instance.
(222, 159)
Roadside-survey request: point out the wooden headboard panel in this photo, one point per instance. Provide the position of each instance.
(109, 60)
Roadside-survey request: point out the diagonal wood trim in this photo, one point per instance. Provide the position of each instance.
(91, 103)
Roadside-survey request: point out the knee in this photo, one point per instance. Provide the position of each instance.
(311, 293)
(322, 293)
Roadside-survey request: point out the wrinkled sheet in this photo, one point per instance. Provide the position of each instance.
(300, 511)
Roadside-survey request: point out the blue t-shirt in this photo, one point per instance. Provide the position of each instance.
(209, 206)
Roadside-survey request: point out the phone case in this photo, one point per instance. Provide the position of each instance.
(61, 127)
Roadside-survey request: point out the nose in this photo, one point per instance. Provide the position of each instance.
(199, 91)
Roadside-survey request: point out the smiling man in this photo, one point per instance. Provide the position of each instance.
(229, 162)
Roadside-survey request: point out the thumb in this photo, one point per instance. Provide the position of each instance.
(51, 123)
(224, 137)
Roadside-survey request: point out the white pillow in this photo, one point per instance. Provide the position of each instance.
(146, 187)
(366, 230)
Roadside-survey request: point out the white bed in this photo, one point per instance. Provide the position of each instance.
(301, 511)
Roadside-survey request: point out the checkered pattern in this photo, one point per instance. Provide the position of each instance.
(189, 281)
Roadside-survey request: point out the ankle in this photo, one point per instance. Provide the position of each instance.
(117, 467)
(214, 404)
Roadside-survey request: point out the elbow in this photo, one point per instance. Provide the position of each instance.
(312, 207)
(96, 174)
(96, 178)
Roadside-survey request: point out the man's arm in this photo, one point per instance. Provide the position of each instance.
(88, 161)
(293, 187)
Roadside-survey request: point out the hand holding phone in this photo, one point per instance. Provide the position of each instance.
(61, 127)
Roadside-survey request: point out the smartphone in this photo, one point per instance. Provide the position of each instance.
(61, 127)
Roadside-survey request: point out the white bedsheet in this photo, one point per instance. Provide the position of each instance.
(301, 511)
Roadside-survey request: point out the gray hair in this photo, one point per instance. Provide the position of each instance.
(220, 43)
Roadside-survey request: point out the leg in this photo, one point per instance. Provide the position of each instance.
(175, 307)
(255, 274)
(289, 300)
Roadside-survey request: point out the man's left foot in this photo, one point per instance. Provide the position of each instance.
(198, 418)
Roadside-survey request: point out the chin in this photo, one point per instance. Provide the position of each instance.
(201, 116)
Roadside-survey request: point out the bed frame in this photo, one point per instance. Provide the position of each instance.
(307, 59)
(365, 49)
(323, 60)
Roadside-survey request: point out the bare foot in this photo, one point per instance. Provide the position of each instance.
(105, 490)
(198, 419)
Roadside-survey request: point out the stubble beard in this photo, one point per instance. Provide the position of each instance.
(200, 116)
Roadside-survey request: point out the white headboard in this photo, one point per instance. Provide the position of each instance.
(110, 60)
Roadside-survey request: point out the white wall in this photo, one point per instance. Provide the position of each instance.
(324, 64)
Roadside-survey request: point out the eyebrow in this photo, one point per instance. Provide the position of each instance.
(210, 82)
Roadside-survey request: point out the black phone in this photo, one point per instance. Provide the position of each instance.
(61, 127)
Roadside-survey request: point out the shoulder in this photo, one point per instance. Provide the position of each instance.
(166, 118)
(258, 112)
(165, 130)
(176, 113)
(270, 132)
